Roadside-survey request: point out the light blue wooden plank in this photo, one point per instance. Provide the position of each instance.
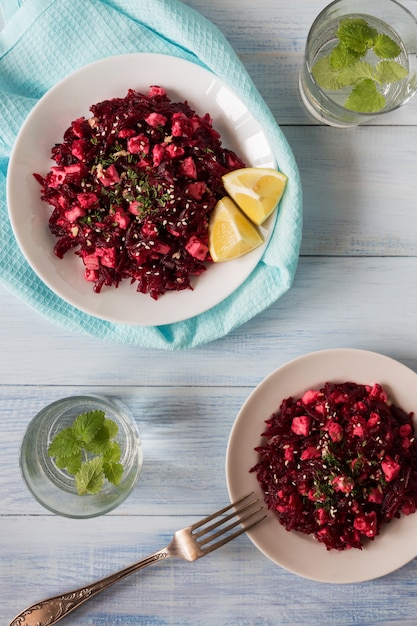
(334, 302)
(234, 586)
(359, 195)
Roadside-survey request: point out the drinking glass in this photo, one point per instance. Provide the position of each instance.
(55, 488)
(386, 17)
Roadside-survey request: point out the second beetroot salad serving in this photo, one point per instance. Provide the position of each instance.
(339, 463)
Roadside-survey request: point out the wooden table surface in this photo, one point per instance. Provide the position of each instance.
(355, 287)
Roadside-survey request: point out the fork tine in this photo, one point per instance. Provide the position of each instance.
(240, 531)
(207, 519)
(222, 520)
(209, 536)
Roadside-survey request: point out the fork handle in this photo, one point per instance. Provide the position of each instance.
(52, 610)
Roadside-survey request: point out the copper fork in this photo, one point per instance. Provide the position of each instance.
(189, 544)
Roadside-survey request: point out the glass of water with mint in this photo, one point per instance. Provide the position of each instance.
(81, 456)
(360, 61)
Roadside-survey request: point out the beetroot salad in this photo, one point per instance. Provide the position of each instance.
(133, 189)
(339, 463)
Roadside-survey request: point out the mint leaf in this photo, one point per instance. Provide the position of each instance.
(341, 56)
(90, 477)
(390, 72)
(64, 444)
(328, 77)
(112, 428)
(357, 72)
(113, 453)
(113, 472)
(385, 47)
(356, 34)
(100, 442)
(365, 98)
(102, 439)
(73, 463)
(325, 74)
(87, 425)
(62, 461)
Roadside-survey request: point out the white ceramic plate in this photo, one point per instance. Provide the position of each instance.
(298, 553)
(45, 125)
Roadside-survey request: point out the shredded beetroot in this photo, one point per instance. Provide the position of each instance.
(133, 190)
(339, 463)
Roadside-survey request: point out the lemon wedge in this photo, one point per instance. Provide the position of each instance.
(231, 234)
(256, 190)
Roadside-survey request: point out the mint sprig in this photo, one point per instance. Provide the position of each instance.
(346, 66)
(87, 450)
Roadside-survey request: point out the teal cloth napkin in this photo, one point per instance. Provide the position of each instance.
(45, 40)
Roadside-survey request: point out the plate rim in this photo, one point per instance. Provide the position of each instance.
(347, 558)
